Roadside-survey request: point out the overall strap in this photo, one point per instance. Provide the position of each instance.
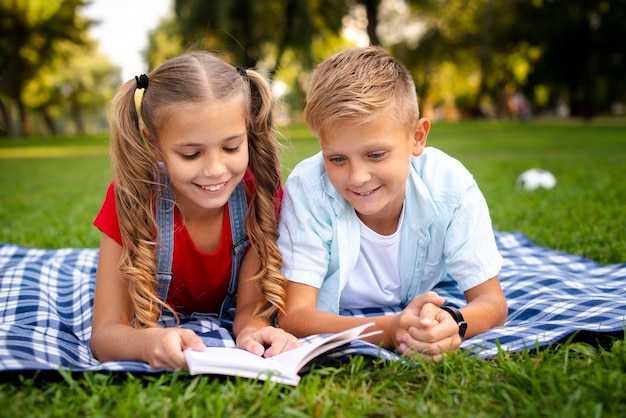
(165, 221)
(237, 207)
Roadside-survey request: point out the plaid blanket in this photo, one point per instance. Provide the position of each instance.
(46, 304)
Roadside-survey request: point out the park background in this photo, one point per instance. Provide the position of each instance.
(468, 57)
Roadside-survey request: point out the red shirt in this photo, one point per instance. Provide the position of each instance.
(200, 280)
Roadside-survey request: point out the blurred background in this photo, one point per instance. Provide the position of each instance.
(515, 59)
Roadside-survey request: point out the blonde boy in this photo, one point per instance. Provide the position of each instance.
(377, 219)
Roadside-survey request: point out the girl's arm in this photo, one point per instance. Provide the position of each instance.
(253, 333)
(112, 334)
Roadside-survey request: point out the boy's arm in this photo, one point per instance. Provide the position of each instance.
(486, 307)
(302, 318)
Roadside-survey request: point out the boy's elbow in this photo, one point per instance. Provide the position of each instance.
(502, 313)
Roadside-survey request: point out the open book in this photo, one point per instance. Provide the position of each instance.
(282, 368)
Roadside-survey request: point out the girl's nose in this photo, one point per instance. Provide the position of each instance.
(214, 166)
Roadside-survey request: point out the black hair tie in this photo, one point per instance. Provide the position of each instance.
(242, 72)
(142, 81)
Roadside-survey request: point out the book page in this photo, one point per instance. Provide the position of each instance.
(296, 359)
(282, 368)
(237, 362)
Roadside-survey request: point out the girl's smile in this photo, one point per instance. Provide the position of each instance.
(217, 188)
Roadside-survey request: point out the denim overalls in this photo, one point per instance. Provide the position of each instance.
(237, 207)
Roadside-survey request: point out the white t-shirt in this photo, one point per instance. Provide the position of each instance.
(375, 281)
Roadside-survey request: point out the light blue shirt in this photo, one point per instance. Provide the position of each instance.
(447, 230)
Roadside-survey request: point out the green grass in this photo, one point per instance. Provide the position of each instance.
(52, 189)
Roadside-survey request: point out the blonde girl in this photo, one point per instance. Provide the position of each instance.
(184, 139)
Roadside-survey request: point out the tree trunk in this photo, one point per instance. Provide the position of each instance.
(77, 114)
(24, 119)
(6, 129)
(48, 120)
(371, 8)
(485, 55)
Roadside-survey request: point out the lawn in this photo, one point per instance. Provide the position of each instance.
(53, 187)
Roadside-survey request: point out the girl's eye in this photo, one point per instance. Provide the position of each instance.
(190, 156)
(231, 149)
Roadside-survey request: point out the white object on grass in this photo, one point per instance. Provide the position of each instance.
(536, 178)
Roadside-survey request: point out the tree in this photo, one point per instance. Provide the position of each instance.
(582, 56)
(164, 42)
(29, 30)
(253, 31)
(73, 86)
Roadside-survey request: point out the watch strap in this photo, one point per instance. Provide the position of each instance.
(458, 317)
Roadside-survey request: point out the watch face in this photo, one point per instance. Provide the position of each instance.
(462, 328)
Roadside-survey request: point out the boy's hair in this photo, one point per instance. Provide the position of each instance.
(190, 79)
(357, 86)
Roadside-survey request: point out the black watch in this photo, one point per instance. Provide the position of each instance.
(458, 317)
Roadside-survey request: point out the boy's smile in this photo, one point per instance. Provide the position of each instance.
(369, 164)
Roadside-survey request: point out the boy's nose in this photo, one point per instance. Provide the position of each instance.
(359, 176)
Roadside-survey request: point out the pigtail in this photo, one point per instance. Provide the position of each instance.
(261, 222)
(134, 163)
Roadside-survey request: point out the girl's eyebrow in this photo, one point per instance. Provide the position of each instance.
(199, 144)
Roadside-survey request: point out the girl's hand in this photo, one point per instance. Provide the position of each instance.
(164, 347)
(267, 341)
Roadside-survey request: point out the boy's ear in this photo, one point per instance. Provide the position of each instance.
(420, 133)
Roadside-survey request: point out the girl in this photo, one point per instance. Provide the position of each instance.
(186, 139)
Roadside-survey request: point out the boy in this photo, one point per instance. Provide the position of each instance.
(376, 219)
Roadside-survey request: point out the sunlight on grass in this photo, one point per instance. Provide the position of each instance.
(52, 152)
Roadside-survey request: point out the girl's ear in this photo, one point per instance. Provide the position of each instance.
(146, 135)
(150, 142)
(419, 135)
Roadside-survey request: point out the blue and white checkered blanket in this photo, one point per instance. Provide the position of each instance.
(46, 304)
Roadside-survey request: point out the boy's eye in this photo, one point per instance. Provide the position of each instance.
(376, 155)
(336, 160)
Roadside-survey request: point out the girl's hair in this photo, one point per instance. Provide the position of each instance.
(357, 86)
(193, 78)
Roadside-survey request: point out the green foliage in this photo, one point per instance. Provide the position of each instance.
(247, 29)
(31, 32)
(164, 42)
(72, 90)
(583, 214)
(578, 57)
